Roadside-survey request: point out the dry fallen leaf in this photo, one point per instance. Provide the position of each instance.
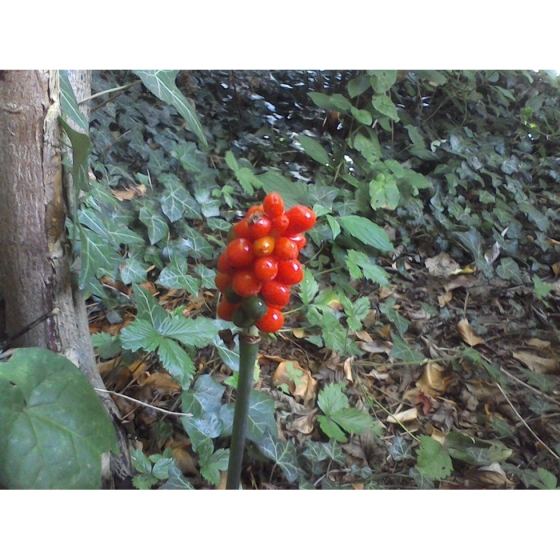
(442, 265)
(432, 381)
(303, 424)
(299, 381)
(536, 363)
(403, 416)
(467, 333)
(347, 367)
(445, 298)
(376, 347)
(538, 343)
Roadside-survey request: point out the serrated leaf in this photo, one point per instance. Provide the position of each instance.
(140, 462)
(107, 346)
(334, 225)
(161, 468)
(162, 84)
(292, 192)
(231, 162)
(314, 149)
(140, 334)
(230, 357)
(433, 460)
(248, 181)
(359, 264)
(309, 287)
(385, 106)
(284, 454)
(211, 468)
(353, 421)
(367, 232)
(54, 427)
(331, 399)
(384, 193)
(176, 361)
(197, 332)
(331, 428)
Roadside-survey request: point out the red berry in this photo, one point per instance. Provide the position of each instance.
(226, 309)
(264, 246)
(240, 253)
(299, 240)
(241, 229)
(246, 284)
(286, 249)
(273, 204)
(259, 225)
(279, 225)
(301, 219)
(255, 208)
(271, 321)
(289, 272)
(222, 281)
(274, 293)
(224, 265)
(266, 268)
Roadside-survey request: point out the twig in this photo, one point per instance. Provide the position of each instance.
(534, 389)
(184, 414)
(525, 423)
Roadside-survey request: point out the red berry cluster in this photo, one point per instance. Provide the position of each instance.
(260, 263)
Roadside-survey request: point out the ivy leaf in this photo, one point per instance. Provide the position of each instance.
(367, 232)
(162, 84)
(69, 103)
(176, 480)
(148, 307)
(54, 427)
(229, 357)
(433, 460)
(157, 226)
(400, 449)
(133, 272)
(95, 254)
(392, 314)
(204, 397)
(284, 454)
(175, 199)
(472, 241)
(175, 275)
(509, 270)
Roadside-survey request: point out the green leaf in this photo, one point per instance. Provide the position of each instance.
(176, 361)
(385, 106)
(144, 481)
(162, 84)
(197, 332)
(357, 86)
(331, 399)
(95, 254)
(248, 181)
(548, 479)
(415, 136)
(509, 270)
(231, 162)
(384, 193)
(205, 397)
(54, 427)
(133, 272)
(230, 357)
(176, 480)
(292, 192)
(353, 421)
(359, 264)
(107, 346)
(402, 352)
(541, 288)
(161, 468)
(260, 420)
(81, 146)
(284, 454)
(210, 469)
(336, 102)
(433, 459)
(309, 287)
(314, 149)
(382, 80)
(473, 242)
(362, 115)
(157, 226)
(400, 449)
(148, 307)
(366, 231)
(140, 462)
(140, 334)
(387, 308)
(331, 428)
(175, 199)
(175, 275)
(69, 103)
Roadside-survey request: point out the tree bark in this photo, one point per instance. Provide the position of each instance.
(35, 263)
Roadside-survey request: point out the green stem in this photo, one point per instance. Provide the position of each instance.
(248, 348)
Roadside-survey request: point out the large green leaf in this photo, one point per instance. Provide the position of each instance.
(54, 427)
(69, 103)
(284, 454)
(292, 192)
(162, 84)
(314, 149)
(367, 232)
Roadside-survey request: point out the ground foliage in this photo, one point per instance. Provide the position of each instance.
(422, 346)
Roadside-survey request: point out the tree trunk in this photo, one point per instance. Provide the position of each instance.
(35, 273)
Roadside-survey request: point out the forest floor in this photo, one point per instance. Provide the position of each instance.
(482, 362)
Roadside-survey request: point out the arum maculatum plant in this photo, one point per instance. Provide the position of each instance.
(255, 276)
